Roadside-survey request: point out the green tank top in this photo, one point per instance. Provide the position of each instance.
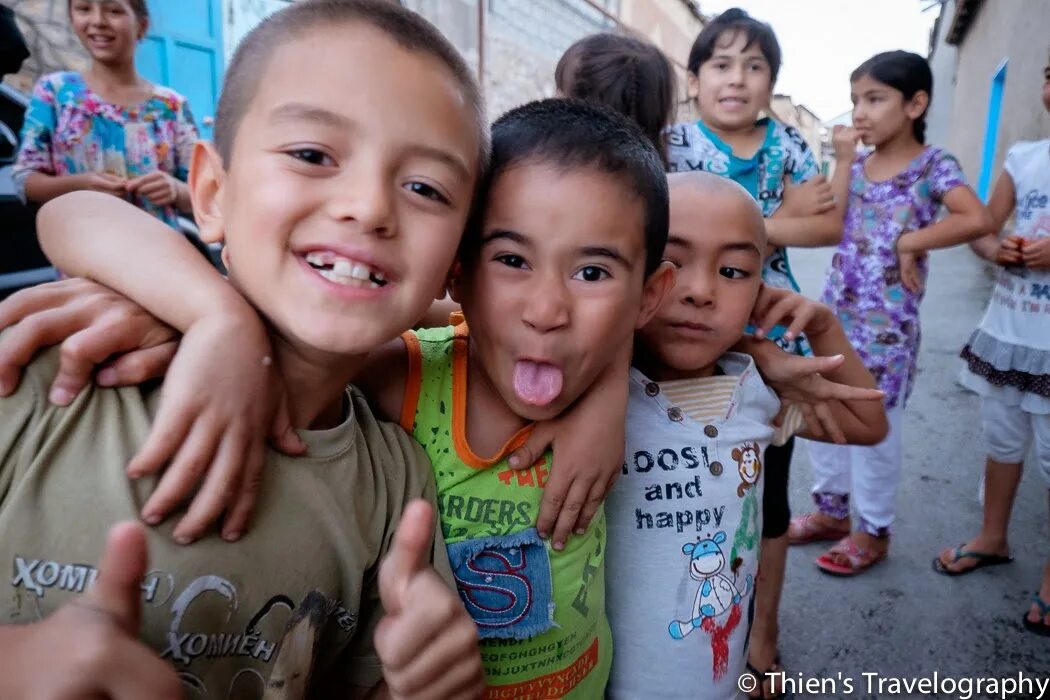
(540, 612)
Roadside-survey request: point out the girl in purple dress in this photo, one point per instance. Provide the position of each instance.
(875, 285)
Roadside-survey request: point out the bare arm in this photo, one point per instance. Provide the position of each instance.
(41, 187)
(126, 244)
(967, 221)
(821, 225)
(861, 421)
(1000, 206)
(812, 231)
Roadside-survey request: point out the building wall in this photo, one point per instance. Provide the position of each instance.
(523, 38)
(808, 124)
(239, 16)
(52, 44)
(1017, 31)
(943, 61)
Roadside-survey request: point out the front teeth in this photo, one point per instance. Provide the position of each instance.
(348, 280)
(345, 272)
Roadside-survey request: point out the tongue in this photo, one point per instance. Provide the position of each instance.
(536, 383)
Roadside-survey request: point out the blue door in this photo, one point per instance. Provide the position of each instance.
(991, 130)
(183, 50)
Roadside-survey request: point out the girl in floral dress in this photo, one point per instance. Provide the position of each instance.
(108, 129)
(875, 285)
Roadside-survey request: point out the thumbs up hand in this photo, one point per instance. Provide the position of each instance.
(90, 648)
(427, 642)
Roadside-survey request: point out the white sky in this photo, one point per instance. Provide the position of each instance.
(822, 41)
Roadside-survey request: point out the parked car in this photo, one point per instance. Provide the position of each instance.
(22, 263)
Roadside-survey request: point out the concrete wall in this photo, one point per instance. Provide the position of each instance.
(943, 62)
(52, 44)
(1015, 30)
(523, 38)
(239, 16)
(808, 124)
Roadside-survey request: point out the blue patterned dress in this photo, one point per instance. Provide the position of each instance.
(782, 157)
(70, 130)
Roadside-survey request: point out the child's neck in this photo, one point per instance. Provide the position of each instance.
(658, 371)
(314, 383)
(744, 141)
(118, 83)
(490, 421)
(892, 156)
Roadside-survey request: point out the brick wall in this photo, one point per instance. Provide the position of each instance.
(52, 45)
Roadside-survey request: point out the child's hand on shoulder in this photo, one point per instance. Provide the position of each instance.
(427, 642)
(588, 441)
(220, 396)
(215, 408)
(101, 333)
(89, 647)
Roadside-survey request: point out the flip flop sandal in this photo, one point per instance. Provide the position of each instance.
(1040, 628)
(982, 560)
(762, 676)
(859, 559)
(804, 529)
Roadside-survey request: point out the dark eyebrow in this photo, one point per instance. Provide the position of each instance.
(590, 251)
(606, 252)
(447, 157)
(505, 234)
(747, 247)
(292, 111)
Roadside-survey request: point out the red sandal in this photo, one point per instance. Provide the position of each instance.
(804, 529)
(859, 559)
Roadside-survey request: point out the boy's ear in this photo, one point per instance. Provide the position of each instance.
(692, 85)
(207, 178)
(455, 282)
(657, 289)
(917, 105)
(452, 280)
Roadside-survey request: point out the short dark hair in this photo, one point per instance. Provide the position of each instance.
(736, 20)
(404, 27)
(574, 134)
(627, 74)
(904, 71)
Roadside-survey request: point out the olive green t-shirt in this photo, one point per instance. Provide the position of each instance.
(215, 610)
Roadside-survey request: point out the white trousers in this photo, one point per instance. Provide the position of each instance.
(867, 476)
(1009, 432)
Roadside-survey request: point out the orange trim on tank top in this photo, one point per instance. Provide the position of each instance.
(460, 351)
(413, 382)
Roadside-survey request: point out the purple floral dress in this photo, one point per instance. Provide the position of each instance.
(863, 286)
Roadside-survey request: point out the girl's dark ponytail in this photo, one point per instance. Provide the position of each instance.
(919, 127)
(904, 71)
